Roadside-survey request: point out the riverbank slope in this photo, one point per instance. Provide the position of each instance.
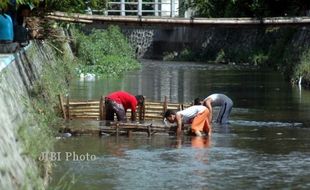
(27, 114)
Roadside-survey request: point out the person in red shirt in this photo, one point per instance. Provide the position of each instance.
(119, 102)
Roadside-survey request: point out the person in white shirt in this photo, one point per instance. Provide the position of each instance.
(221, 100)
(197, 115)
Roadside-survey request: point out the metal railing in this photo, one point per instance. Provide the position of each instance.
(163, 8)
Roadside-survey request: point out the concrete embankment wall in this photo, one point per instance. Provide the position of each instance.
(18, 73)
(208, 41)
(280, 47)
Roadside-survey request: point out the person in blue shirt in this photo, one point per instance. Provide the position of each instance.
(7, 44)
(6, 28)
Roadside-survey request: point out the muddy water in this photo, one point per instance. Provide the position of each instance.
(266, 145)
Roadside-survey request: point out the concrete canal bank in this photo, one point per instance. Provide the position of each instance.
(18, 74)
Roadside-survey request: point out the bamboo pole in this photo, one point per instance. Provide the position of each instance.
(155, 109)
(164, 107)
(84, 110)
(84, 117)
(90, 102)
(153, 103)
(156, 112)
(62, 107)
(69, 19)
(102, 103)
(68, 107)
(141, 111)
(72, 114)
(154, 106)
(150, 117)
(117, 129)
(149, 130)
(129, 133)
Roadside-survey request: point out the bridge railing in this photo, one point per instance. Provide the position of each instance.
(163, 8)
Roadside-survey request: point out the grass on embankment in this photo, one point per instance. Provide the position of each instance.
(104, 53)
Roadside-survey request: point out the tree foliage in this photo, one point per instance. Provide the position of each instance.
(247, 8)
(5, 3)
(78, 6)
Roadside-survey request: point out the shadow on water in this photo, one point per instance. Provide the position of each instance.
(265, 146)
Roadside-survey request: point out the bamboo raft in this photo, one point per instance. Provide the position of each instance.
(117, 129)
(149, 115)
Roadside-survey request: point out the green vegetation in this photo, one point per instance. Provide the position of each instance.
(39, 126)
(247, 8)
(78, 6)
(104, 53)
(278, 48)
(65, 182)
(303, 69)
(259, 59)
(61, 5)
(220, 58)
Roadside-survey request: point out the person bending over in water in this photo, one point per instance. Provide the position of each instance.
(197, 116)
(215, 100)
(118, 102)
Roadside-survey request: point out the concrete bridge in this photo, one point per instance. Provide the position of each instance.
(156, 36)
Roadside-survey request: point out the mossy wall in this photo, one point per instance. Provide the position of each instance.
(19, 72)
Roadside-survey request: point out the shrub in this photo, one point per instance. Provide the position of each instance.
(220, 57)
(259, 59)
(303, 69)
(104, 53)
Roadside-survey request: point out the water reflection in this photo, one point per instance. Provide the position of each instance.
(193, 141)
(201, 142)
(257, 96)
(239, 159)
(263, 147)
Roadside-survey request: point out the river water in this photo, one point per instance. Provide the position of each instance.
(265, 146)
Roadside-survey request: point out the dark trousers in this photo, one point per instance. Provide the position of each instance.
(114, 107)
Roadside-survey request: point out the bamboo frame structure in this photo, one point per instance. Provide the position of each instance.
(95, 110)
